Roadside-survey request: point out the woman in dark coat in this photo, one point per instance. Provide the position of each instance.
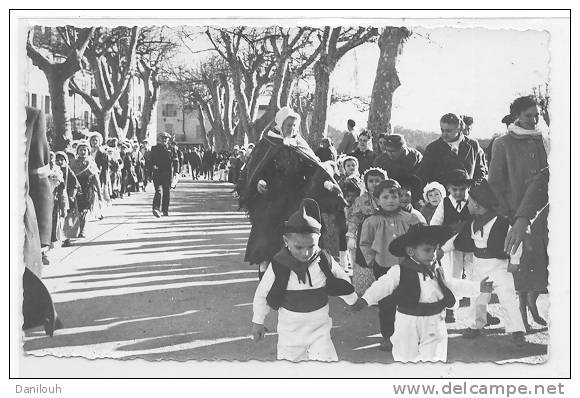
(519, 177)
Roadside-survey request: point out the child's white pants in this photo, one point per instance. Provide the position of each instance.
(419, 338)
(454, 263)
(503, 284)
(305, 336)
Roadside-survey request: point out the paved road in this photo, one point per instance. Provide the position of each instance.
(177, 288)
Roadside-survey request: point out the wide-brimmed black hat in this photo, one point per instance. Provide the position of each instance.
(417, 234)
(457, 177)
(409, 181)
(484, 195)
(305, 220)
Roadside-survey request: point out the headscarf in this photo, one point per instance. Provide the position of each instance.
(431, 186)
(98, 135)
(283, 114)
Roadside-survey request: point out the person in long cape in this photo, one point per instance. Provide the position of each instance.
(281, 170)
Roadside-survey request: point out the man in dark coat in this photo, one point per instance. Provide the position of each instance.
(364, 155)
(163, 161)
(399, 160)
(195, 163)
(208, 160)
(348, 143)
(453, 150)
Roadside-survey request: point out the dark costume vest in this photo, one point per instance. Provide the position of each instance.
(408, 292)
(305, 300)
(451, 215)
(495, 242)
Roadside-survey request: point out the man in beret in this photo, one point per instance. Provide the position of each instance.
(399, 159)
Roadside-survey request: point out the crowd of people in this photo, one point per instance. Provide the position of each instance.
(466, 223)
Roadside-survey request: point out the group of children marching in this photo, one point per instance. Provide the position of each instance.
(414, 272)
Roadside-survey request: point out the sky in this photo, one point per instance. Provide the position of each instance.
(470, 71)
(477, 72)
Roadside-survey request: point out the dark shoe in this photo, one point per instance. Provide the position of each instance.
(166, 214)
(471, 333)
(519, 339)
(386, 345)
(449, 316)
(82, 235)
(492, 320)
(45, 260)
(66, 243)
(101, 217)
(156, 213)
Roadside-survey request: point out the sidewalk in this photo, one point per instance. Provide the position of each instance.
(177, 288)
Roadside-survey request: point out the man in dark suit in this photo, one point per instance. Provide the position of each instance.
(364, 155)
(453, 150)
(163, 160)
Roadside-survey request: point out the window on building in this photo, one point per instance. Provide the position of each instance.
(169, 110)
(169, 128)
(86, 119)
(33, 100)
(139, 103)
(47, 104)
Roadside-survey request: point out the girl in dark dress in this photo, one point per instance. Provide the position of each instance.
(86, 172)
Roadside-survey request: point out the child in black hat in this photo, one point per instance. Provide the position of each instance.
(484, 236)
(410, 186)
(421, 293)
(453, 212)
(297, 284)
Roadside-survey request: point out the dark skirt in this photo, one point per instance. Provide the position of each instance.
(532, 273)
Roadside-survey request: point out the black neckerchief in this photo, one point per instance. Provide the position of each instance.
(300, 268)
(480, 221)
(426, 271)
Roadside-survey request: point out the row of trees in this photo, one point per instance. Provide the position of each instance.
(111, 57)
(291, 66)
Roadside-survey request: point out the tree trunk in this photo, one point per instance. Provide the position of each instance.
(386, 81)
(62, 130)
(318, 124)
(104, 123)
(149, 105)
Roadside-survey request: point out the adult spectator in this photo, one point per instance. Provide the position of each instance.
(208, 160)
(348, 143)
(382, 141)
(163, 161)
(363, 153)
(453, 150)
(399, 159)
(519, 177)
(326, 151)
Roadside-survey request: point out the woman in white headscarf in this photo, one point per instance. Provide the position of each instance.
(274, 181)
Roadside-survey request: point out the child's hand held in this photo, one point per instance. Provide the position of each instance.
(258, 332)
(486, 286)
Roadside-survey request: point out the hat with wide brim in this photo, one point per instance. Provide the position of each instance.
(417, 234)
(164, 134)
(458, 177)
(484, 195)
(408, 181)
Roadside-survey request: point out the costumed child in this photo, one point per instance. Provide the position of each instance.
(377, 233)
(351, 190)
(410, 185)
(297, 284)
(364, 206)
(66, 201)
(485, 237)
(348, 167)
(452, 211)
(433, 194)
(421, 293)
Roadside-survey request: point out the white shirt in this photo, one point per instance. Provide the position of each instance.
(480, 241)
(455, 144)
(439, 213)
(317, 277)
(430, 290)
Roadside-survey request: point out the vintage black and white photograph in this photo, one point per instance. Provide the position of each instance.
(366, 192)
